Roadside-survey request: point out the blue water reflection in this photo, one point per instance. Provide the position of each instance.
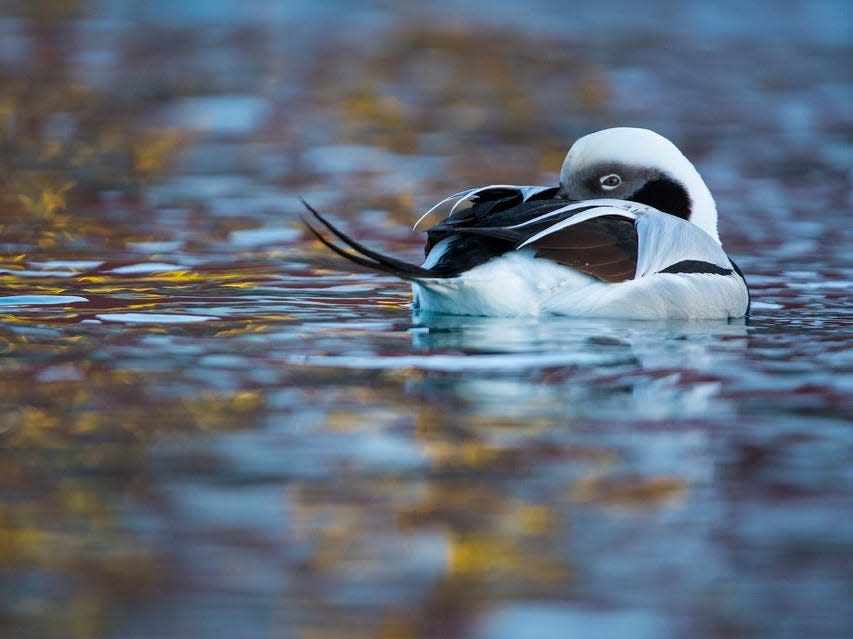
(210, 425)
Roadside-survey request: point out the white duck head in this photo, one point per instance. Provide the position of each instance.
(641, 166)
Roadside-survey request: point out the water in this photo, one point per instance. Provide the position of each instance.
(210, 425)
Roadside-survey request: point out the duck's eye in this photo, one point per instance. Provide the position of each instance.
(610, 182)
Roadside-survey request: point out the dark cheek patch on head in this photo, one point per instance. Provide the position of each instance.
(665, 195)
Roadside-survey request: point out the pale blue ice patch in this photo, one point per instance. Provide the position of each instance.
(154, 318)
(457, 363)
(249, 238)
(346, 158)
(766, 306)
(222, 114)
(40, 300)
(75, 265)
(156, 247)
(29, 273)
(554, 621)
(148, 267)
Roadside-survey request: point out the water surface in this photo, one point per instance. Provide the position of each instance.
(209, 424)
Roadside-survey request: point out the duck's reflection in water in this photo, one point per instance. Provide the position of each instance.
(584, 367)
(557, 455)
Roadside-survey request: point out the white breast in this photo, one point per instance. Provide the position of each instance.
(518, 284)
(656, 296)
(513, 285)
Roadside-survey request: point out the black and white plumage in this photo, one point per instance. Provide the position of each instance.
(630, 232)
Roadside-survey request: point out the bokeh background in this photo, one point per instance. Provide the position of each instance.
(210, 426)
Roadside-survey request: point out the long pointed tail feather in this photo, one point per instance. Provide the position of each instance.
(359, 253)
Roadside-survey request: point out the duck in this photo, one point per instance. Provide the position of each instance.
(630, 232)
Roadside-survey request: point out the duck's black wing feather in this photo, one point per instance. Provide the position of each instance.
(605, 247)
(485, 231)
(358, 253)
(492, 208)
(500, 220)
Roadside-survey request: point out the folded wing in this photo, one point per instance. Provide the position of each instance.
(611, 240)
